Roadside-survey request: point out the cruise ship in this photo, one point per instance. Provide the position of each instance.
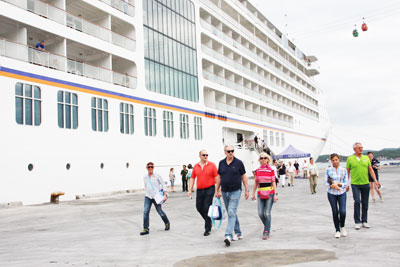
(92, 90)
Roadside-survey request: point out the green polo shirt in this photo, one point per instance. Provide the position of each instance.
(358, 169)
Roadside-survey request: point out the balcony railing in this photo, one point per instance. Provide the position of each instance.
(270, 51)
(60, 16)
(121, 5)
(58, 62)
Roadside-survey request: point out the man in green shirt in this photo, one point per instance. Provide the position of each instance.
(358, 166)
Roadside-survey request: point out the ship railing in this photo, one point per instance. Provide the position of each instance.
(46, 59)
(58, 62)
(121, 5)
(60, 16)
(269, 50)
(251, 73)
(124, 80)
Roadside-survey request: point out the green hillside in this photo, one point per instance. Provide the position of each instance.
(389, 153)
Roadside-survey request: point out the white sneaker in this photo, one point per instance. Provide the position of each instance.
(365, 225)
(343, 231)
(382, 199)
(337, 234)
(237, 237)
(358, 226)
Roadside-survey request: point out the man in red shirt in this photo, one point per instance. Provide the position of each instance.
(207, 175)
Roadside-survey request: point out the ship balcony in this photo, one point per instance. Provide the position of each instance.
(265, 96)
(125, 6)
(84, 18)
(236, 43)
(92, 69)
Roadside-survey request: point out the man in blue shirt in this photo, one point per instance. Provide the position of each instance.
(232, 173)
(40, 46)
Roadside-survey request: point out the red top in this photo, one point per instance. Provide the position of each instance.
(265, 174)
(205, 176)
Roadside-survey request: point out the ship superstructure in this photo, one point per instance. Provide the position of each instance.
(122, 82)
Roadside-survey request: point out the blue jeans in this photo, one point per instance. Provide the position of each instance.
(264, 211)
(146, 212)
(339, 215)
(231, 200)
(361, 197)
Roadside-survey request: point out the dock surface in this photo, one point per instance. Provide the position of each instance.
(105, 232)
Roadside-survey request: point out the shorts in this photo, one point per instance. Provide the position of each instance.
(372, 180)
(172, 182)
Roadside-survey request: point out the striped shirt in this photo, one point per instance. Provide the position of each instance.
(264, 174)
(338, 175)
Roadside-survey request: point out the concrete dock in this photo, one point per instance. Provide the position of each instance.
(105, 232)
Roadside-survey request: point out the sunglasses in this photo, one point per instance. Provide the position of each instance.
(150, 167)
(229, 151)
(263, 158)
(205, 155)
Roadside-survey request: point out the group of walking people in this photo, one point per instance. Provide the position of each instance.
(364, 178)
(226, 181)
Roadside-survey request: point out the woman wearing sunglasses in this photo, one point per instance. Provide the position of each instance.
(266, 195)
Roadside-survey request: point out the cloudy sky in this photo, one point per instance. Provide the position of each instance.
(360, 76)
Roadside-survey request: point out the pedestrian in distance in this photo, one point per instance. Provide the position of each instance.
(184, 173)
(153, 184)
(190, 168)
(274, 168)
(291, 173)
(313, 176)
(266, 193)
(282, 173)
(305, 169)
(296, 165)
(206, 174)
(358, 166)
(232, 174)
(376, 166)
(336, 181)
(172, 179)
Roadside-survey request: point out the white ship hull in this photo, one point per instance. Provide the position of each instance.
(35, 158)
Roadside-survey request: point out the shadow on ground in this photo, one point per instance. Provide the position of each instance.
(276, 257)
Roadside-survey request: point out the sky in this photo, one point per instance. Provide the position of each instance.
(360, 76)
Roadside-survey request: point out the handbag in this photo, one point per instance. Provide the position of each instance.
(216, 212)
(158, 196)
(264, 194)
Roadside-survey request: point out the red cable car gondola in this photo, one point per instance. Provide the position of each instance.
(364, 26)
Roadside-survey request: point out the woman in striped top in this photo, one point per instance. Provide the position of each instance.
(266, 195)
(336, 182)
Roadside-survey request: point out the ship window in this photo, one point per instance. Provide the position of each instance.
(99, 114)
(126, 118)
(271, 138)
(170, 49)
(168, 124)
(67, 109)
(198, 129)
(282, 139)
(28, 104)
(277, 139)
(184, 126)
(150, 122)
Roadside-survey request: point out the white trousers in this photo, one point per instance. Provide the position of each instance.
(282, 179)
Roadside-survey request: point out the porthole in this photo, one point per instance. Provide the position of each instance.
(127, 165)
(101, 165)
(68, 166)
(30, 166)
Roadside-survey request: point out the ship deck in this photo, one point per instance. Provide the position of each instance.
(105, 232)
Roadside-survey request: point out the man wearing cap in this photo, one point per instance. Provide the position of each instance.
(207, 175)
